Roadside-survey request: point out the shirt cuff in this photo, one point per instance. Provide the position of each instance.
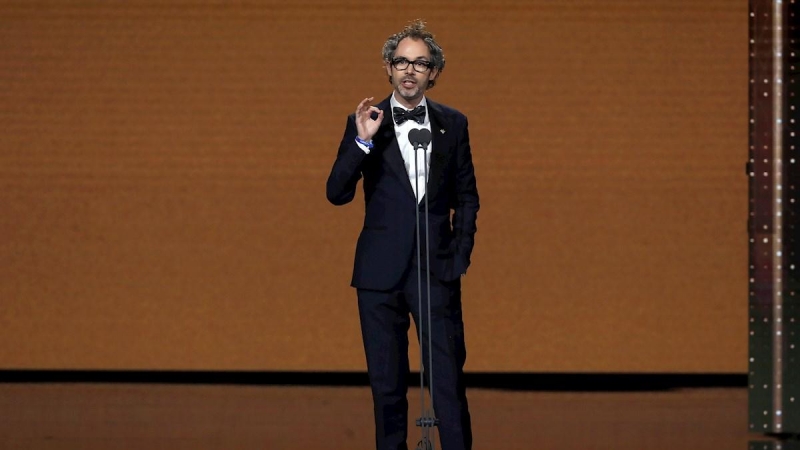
(363, 147)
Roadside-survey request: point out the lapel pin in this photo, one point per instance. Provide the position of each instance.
(441, 130)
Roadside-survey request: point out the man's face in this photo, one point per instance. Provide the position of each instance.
(409, 83)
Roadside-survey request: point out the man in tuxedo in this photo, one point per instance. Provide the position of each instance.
(409, 184)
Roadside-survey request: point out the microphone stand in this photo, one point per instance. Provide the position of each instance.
(420, 139)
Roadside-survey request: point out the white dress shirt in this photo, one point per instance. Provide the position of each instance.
(417, 174)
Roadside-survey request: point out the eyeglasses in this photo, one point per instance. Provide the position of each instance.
(420, 65)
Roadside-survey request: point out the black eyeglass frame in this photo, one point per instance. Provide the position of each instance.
(402, 64)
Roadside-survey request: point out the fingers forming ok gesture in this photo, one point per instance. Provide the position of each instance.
(365, 124)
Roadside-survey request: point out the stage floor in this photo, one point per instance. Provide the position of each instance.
(173, 416)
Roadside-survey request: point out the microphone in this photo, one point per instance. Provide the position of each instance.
(419, 138)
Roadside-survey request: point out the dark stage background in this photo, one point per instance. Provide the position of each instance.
(162, 172)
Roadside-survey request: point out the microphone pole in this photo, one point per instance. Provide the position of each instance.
(420, 139)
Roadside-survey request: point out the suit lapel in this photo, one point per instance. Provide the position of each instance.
(392, 154)
(441, 147)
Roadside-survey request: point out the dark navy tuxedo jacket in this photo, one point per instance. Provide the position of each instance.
(387, 241)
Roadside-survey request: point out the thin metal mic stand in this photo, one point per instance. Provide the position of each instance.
(420, 139)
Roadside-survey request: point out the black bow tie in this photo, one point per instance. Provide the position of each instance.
(401, 115)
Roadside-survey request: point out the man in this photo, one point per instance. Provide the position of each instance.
(387, 271)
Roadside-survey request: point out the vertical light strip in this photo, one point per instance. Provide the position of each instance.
(777, 231)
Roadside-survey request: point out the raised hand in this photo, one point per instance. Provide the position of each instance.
(366, 125)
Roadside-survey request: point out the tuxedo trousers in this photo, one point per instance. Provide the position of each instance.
(385, 323)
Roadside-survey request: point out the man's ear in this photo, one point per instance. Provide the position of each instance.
(434, 74)
(388, 66)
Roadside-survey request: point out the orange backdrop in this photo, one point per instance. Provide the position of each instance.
(162, 172)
